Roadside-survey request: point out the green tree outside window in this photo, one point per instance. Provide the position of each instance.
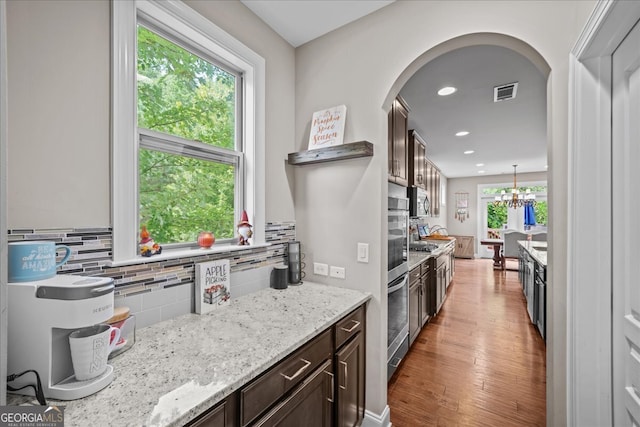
(182, 94)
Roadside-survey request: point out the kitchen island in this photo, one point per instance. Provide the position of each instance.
(179, 368)
(532, 273)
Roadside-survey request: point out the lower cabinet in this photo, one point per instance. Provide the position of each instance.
(224, 414)
(350, 364)
(310, 404)
(321, 384)
(464, 247)
(426, 299)
(415, 317)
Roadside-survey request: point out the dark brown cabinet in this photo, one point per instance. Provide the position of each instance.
(433, 187)
(419, 299)
(310, 404)
(417, 160)
(398, 137)
(320, 384)
(221, 415)
(350, 373)
(263, 392)
(425, 301)
(415, 322)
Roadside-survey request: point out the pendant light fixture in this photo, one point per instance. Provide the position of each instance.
(515, 199)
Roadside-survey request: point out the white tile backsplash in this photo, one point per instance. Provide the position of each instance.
(167, 303)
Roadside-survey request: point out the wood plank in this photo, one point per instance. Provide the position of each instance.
(328, 154)
(480, 362)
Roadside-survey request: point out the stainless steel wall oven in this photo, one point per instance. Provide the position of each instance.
(397, 282)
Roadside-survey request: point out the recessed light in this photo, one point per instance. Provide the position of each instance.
(546, 166)
(448, 90)
(480, 171)
(469, 152)
(479, 164)
(462, 133)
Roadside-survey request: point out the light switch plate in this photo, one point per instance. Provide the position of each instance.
(363, 252)
(337, 272)
(320, 269)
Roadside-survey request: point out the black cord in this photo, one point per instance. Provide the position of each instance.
(36, 388)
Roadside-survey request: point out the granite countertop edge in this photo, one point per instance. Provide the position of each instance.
(530, 246)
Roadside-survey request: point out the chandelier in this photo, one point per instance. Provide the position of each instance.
(515, 199)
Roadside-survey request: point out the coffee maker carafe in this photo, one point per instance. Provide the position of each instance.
(42, 315)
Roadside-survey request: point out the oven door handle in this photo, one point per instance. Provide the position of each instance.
(398, 286)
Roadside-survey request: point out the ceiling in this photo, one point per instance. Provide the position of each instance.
(300, 21)
(501, 134)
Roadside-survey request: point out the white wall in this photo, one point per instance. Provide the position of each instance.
(361, 65)
(59, 103)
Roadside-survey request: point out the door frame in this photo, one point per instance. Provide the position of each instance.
(3, 203)
(589, 270)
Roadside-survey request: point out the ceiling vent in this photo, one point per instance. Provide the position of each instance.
(504, 92)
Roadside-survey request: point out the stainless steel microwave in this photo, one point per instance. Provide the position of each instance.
(419, 203)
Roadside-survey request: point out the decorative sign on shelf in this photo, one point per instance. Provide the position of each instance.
(213, 284)
(327, 127)
(462, 206)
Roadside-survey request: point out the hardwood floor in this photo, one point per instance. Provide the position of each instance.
(480, 362)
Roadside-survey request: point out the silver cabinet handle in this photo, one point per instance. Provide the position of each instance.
(346, 373)
(356, 324)
(298, 372)
(332, 388)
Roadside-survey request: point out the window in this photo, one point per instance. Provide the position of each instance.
(188, 124)
(189, 167)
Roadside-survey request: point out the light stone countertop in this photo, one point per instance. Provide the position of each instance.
(417, 257)
(533, 248)
(179, 368)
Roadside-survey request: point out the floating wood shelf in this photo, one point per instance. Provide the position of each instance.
(333, 153)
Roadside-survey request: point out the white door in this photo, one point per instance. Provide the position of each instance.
(626, 230)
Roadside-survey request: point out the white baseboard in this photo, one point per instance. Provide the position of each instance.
(374, 420)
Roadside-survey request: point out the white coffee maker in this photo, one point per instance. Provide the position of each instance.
(42, 314)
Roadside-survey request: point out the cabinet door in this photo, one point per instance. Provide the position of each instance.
(428, 172)
(350, 363)
(464, 247)
(415, 322)
(310, 404)
(425, 299)
(222, 415)
(400, 155)
(417, 160)
(419, 163)
(436, 193)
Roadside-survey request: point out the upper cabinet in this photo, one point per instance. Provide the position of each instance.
(433, 187)
(398, 140)
(417, 160)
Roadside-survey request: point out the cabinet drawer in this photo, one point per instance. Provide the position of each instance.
(414, 274)
(424, 268)
(256, 397)
(349, 326)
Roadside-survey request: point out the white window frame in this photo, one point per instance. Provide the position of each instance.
(189, 24)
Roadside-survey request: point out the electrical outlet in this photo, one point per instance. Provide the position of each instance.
(337, 272)
(320, 269)
(363, 252)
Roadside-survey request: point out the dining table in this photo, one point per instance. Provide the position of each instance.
(498, 258)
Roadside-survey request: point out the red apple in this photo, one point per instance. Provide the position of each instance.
(206, 239)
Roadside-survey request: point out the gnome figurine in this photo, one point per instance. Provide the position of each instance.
(244, 230)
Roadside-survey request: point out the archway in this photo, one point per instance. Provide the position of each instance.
(535, 58)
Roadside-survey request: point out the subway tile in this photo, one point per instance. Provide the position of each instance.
(176, 309)
(148, 317)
